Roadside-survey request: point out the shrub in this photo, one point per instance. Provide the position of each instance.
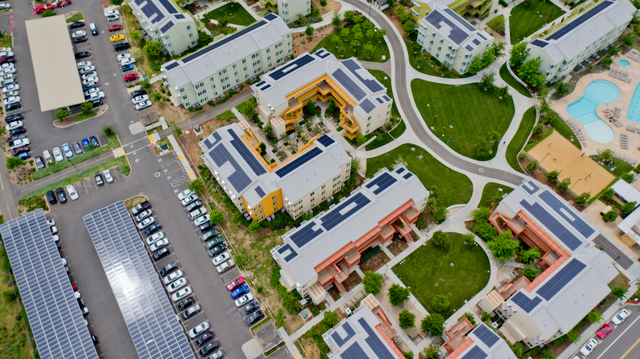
(216, 216)
(564, 185)
(627, 177)
(372, 282)
(552, 176)
(610, 216)
(398, 294)
(537, 130)
(407, 319)
(440, 303)
(532, 166)
(628, 207)
(470, 317)
(433, 324)
(330, 318)
(440, 239)
(582, 199)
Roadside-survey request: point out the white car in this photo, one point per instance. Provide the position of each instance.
(620, 316)
(90, 91)
(8, 71)
(51, 222)
(19, 143)
(107, 176)
(155, 237)
(7, 54)
(9, 88)
(589, 347)
(179, 283)
(221, 258)
(226, 265)
(57, 154)
(83, 64)
(95, 96)
(6, 49)
(192, 197)
(181, 294)
(10, 93)
(55, 238)
(146, 222)
(198, 329)
(113, 17)
(185, 193)
(79, 33)
(92, 81)
(197, 213)
(127, 61)
(12, 99)
(85, 70)
(142, 105)
(72, 192)
(201, 220)
(142, 215)
(111, 12)
(158, 244)
(123, 56)
(139, 99)
(13, 125)
(89, 75)
(8, 65)
(173, 276)
(54, 230)
(244, 300)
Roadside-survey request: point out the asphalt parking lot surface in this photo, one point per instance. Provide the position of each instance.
(623, 341)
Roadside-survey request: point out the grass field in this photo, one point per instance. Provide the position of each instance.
(466, 114)
(492, 191)
(451, 187)
(520, 138)
(401, 127)
(416, 58)
(233, 12)
(622, 167)
(530, 16)
(388, 137)
(508, 78)
(427, 272)
(75, 17)
(380, 48)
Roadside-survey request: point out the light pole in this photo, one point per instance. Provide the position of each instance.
(545, 156)
(579, 179)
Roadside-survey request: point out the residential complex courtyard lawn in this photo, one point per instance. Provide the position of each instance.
(492, 192)
(233, 13)
(466, 115)
(345, 50)
(428, 272)
(530, 16)
(509, 79)
(451, 187)
(520, 138)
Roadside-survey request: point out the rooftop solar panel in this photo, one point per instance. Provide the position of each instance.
(476, 41)
(367, 106)
(54, 315)
(565, 212)
(374, 342)
(561, 279)
(459, 19)
(481, 36)
(539, 43)
(288, 250)
(179, 16)
(552, 224)
(530, 187)
(322, 53)
(386, 98)
(407, 176)
(270, 16)
(469, 48)
(475, 353)
(338, 214)
(381, 183)
(486, 335)
(139, 2)
(239, 179)
(207, 143)
(579, 20)
(525, 303)
(456, 34)
(372, 84)
(166, 27)
(380, 100)
(150, 9)
(354, 352)
(266, 87)
(349, 333)
(246, 154)
(291, 67)
(172, 66)
(302, 159)
(171, 9)
(348, 84)
(326, 140)
(400, 170)
(125, 260)
(305, 234)
(260, 192)
(260, 84)
(224, 41)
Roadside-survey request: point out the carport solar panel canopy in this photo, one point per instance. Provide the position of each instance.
(54, 314)
(147, 312)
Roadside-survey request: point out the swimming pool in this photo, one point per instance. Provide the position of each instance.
(597, 93)
(634, 106)
(624, 63)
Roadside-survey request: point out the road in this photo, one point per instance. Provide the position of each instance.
(623, 341)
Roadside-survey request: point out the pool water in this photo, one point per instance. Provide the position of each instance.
(598, 92)
(624, 63)
(634, 106)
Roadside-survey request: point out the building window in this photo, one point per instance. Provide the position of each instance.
(188, 27)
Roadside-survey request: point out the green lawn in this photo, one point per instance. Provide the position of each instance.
(387, 137)
(508, 78)
(344, 50)
(491, 192)
(397, 130)
(472, 112)
(233, 13)
(451, 187)
(417, 58)
(622, 167)
(564, 129)
(385, 80)
(520, 138)
(530, 16)
(75, 17)
(427, 272)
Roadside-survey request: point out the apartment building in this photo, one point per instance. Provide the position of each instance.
(466, 341)
(478, 9)
(283, 92)
(303, 181)
(288, 10)
(166, 23)
(451, 39)
(206, 74)
(323, 251)
(575, 273)
(581, 37)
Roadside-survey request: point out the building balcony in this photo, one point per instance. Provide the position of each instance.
(352, 257)
(339, 275)
(411, 214)
(324, 277)
(403, 229)
(269, 2)
(349, 124)
(386, 232)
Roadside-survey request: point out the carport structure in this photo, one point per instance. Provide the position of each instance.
(54, 64)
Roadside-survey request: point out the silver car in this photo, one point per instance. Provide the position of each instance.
(67, 150)
(57, 154)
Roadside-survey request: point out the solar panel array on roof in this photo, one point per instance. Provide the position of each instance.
(172, 66)
(260, 192)
(171, 9)
(475, 353)
(552, 224)
(530, 187)
(400, 170)
(372, 84)
(179, 16)
(322, 53)
(151, 9)
(476, 41)
(456, 34)
(139, 2)
(374, 342)
(486, 335)
(349, 334)
(270, 16)
(407, 176)
(469, 48)
(224, 41)
(260, 84)
(54, 315)
(302, 159)
(573, 219)
(386, 98)
(344, 210)
(146, 309)
(580, 20)
(166, 27)
(207, 143)
(266, 87)
(459, 19)
(246, 154)
(326, 140)
(354, 352)
(287, 249)
(481, 36)
(561, 279)
(291, 67)
(525, 303)
(381, 183)
(239, 180)
(380, 100)
(539, 43)
(367, 105)
(348, 84)
(305, 234)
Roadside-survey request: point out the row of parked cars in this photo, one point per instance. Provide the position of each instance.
(60, 195)
(602, 333)
(8, 82)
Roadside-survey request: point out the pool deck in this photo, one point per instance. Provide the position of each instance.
(626, 92)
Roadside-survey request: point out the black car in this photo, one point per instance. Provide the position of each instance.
(96, 102)
(80, 39)
(88, 87)
(138, 93)
(17, 131)
(205, 338)
(209, 235)
(251, 307)
(16, 151)
(161, 253)
(186, 303)
(82, 55)
(168, 269)
(217, 250)
(206, 226)
(12, 106)
(98, 178)
(14, 118)
(194, 205)
(77, 24)
(253, 318)
(39, 162)
(152, 229)
(209, 347)
(19, 136)
(140, 207)
(51, 198)
(121, 46)
(62, 196)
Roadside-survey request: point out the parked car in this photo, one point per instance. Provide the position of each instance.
(177, 284)
(94, 29)
(61, 195)
(168, 269)
(235, 284)
(94, 141)
(194, 205)
(196, 213)
(17, 136)
(85, 144)
(116, 38)
(146, 222)
(94, 80)
(77, 148)
(244, 300)
(98, 178)
(126, 68)
(138, 93)
(57, 154)
(140, 207)
(158, 244)
(221, 258)
(186, 303)
(107, 176)
(191, 312)
(154, 238)
(254, 318)
(24, 156)
(113, 17)
(51, 198)
(111, 12)
(82, 55)
(604, 331)
(139, 99)
(589, 347)
(39, 163)
(12, 99)
(241, 290)
(66, 149)
(73, 194)
(206, 226)
(209, 348)
(121, 46)
(251, 307)
(152, 229)
(213, 242)
(173, 276)
(121, 57)
(214, 251)
(161, 253)
(115, 27)
(210, 234)
(91, 90)
(14, 106)
(83, 64)
(189, 199)
(205, 337)
(79, 33)
(198, 329)
(620, 316)
(19, 150)
(14, 117)
(13, 125)
(182, 293)
(127, 61)
(129, 77)
(19, 143)
(143, 105)
(17, 131)
(10, 94)
(86, 70)
(200, 220)
(142, 215)
(89, 75)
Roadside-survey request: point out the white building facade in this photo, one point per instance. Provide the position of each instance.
(290, 9)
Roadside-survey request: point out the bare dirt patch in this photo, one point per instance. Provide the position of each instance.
(334, 293)
(189, 139)
(310, 348)
(301, 43)
(352, 281)
(397, 245)
(22, 175)
(395, 19)
(375, 262)
(331, 6)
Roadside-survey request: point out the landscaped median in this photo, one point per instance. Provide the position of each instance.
(520, 138)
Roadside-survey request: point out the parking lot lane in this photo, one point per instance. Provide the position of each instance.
(621, 339)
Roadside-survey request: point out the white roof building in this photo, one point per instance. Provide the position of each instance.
(626, 192)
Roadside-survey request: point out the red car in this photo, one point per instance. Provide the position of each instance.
(235, 284)
(75, 287)
(41, 8)
(604, 331)
(115, 27)
(4, 60)
(130, 77)
(19, 150)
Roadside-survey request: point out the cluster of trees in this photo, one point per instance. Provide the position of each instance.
(435, 213)
(358, 31)
(528, 70)
(407, 21)
(563, 186)
(483, 61)
(486, 148)
(502, 246)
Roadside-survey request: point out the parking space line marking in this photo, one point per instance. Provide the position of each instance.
(619, 336)
(132, 142)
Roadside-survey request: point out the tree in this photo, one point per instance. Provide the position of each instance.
(440, 303)
(398, 294)
(606, 154)
(530, 272)
(610, 216)
(48, 13)
(331, 318)
(594, 316)
(355, 165)
(268, 131)
(255, 227)
(309, 109)
(14, 162)
(564, 185)
(344, 32)
(349, 15)
(532, 166)
(481, 214)
(117, 2)
(372, 282)
(469, 317)
(606, 61)
(432, 352)
(504, 247)
(409, 27)
(156, 96)
(628, 207)
(433, 324)
(440, 239)
(518, 54)
(331, 106)
(552, 176)
(487, 80)
(368, 50)
(573, 336)
(108, 131)
(485, 231)
(215, 216)
(309, 30)
(547, 354)
(323, 3)
(619, 292)
(476, 65)
(336, 20)
(627, 177)
(628, 39)
(608, 194)
(582, 199)
(152, 48)
(440, 215)
(197, 186)
(135, 35)
(144, 84)
(530, 255)
(62, 114)
(530, 72)
(380, 34)
(498, 49)
(407, 319)
(335, 39)
(562, 88)
(86, 107)
(177, 131)
(537, 130)
(613, 51)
